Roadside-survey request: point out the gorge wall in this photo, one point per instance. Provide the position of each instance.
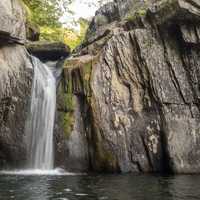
(15, 83)
(129, 101)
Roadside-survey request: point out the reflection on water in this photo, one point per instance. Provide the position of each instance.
(99, 187)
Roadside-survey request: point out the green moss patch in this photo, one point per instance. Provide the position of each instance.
(138, 14)
(68, 123)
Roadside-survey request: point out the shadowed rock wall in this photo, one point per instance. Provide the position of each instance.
(15, 85)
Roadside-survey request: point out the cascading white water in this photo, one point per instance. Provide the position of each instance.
(40, 122)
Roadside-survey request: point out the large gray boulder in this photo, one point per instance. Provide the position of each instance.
(12, 18)
(48, 51)
(15, 84)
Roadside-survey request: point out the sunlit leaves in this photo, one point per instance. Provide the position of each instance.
(47, 14)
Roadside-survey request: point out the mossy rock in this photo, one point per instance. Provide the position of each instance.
(79, 69)
(68, 123)
(101, 20)
(131, 17)
(67, 114)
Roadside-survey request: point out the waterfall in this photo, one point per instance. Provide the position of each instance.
(40, 122)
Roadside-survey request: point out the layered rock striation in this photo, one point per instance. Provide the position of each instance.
(139, 91)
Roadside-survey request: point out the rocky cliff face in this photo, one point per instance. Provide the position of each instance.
(139, 90)
(15, 83)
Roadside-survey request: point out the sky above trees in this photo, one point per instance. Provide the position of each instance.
(81, 9)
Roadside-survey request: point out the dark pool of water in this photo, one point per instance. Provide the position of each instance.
(100, 187)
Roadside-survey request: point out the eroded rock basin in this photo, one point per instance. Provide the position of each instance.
(99, 187)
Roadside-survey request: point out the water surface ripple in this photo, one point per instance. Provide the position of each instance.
(99, 187)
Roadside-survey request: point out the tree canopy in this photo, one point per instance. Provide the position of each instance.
(47, 13)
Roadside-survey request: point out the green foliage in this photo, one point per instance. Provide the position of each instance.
(69, 36)
(46, 14)
(27, 10)
(142, 12)
(51, 34)
(72, 37)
